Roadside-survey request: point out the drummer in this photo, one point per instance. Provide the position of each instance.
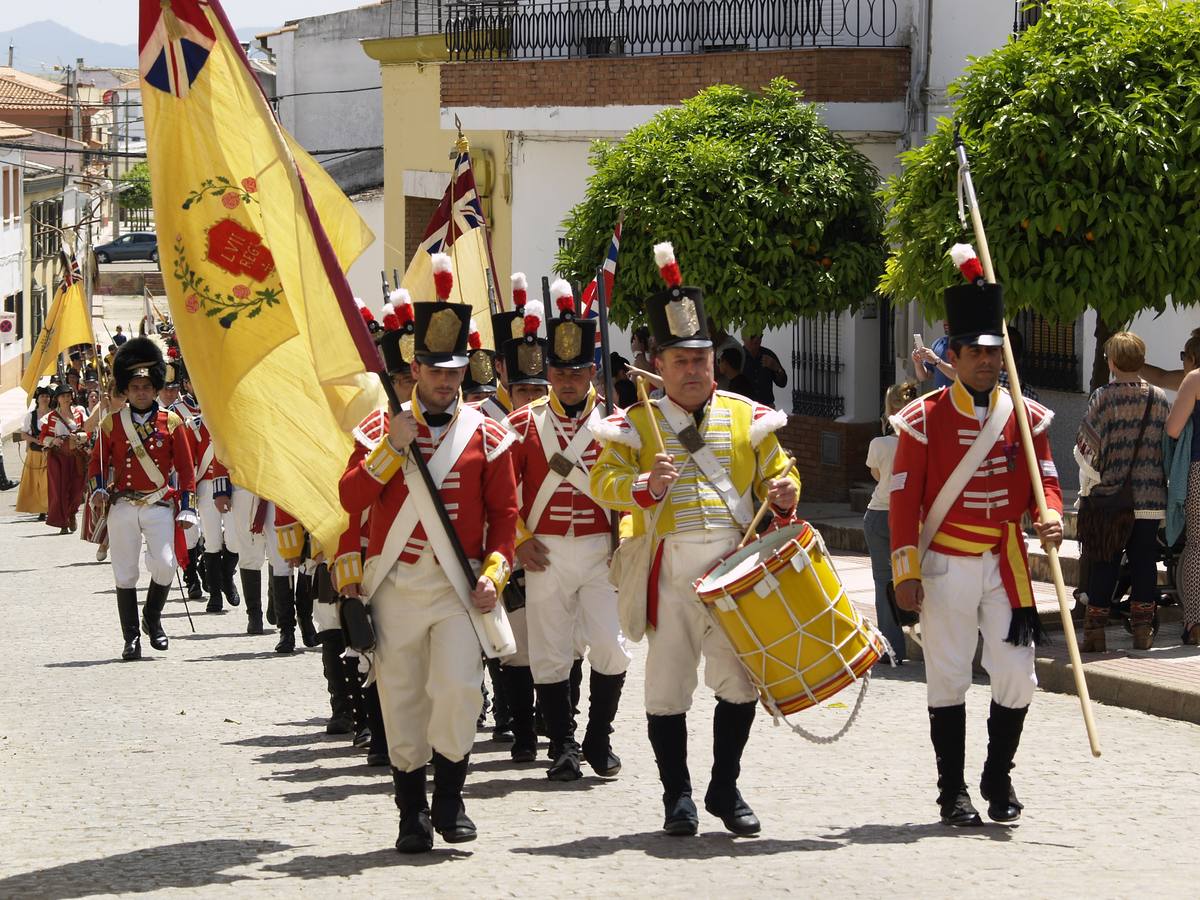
(960, 487)
(695, 499)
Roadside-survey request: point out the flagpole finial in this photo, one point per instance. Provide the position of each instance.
(461, 144)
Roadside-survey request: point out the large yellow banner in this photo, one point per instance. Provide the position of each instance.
(68, 324)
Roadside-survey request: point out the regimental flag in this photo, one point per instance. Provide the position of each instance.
(458, 228)
(592, 291)
(68, 324)
(255, 239)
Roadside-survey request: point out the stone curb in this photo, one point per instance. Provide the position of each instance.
(1123, 690)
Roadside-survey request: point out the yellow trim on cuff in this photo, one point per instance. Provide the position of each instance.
(906, 565)
(347, 570)
(290, 539)
(523, 532)
(496, 568)
(625, 528)
(383, 462)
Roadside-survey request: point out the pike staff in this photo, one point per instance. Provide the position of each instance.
(968, 201)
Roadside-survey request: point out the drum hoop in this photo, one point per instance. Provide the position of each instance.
(779, 559)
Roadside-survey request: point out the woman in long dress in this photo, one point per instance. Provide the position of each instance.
(63, 433)
(32, 495)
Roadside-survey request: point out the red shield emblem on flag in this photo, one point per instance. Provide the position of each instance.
(239, 251)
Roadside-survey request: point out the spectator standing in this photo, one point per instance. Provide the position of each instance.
(62, 433)
(880, 454)
(120, 337)
(738, 383)
(623, 386)
(932, 361)
(1119, 440)
(764, 370)
(643, 356)
(723, 341)
(1186, 410)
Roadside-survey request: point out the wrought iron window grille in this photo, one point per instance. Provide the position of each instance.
(817, 367)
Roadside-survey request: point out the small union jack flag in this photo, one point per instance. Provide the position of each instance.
(590, 310)
(465, 215)
(174, 40)
(71, 271)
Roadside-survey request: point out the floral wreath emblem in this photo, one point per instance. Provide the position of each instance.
(235, 249)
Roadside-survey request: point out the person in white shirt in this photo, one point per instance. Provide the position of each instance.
(880, 454)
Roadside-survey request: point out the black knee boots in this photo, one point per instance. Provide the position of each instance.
(156, 599)
(668, 738)
(229, 565)
(128, 612)
(191, 574)
(252, 588)
(948, 731)
(341, 703)
(1004, 736)
(447, 812)
(214, 571)
(305, 588)
(604, 696)
(416, 830)
(555, 700)
(285, 613)
(731, 730)
(377, 747)
(518, 689)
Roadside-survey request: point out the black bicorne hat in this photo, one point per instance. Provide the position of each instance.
(139, 357)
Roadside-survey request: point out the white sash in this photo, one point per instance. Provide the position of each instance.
(454, 442)
(578, 476)
(738, 504)
(139, 449)
(953, 486)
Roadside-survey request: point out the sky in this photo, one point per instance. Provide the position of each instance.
(115, 21)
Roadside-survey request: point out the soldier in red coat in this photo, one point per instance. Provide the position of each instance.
(564, 545)
(425, 613)
(960, 485)
(144, 449)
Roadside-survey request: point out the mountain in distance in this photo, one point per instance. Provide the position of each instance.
(40, 46)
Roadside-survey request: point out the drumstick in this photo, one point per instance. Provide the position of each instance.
(762, 509)
(641, 390)
(655, 380)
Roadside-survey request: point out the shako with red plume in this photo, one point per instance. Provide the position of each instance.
(442, 328)
(525, 356)
(967, 261)
(481, 365)
(975, 310)
(396, 342)
(572, 339)
(676, 315)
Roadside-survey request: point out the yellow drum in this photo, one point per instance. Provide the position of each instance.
(784, 610)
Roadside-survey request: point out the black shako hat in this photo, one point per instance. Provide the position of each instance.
(441, 328)
(571, 339)
(975, 310)
(139, 357)
(676, 314)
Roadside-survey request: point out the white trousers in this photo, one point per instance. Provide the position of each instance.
(428, 665)
(212, 522)
(964, 598)
(572, 603)
(129, 527)
(252, 548)
(686, 630)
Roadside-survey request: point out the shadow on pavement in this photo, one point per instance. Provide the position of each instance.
(654, 843)
(536, 783)
(334, 792)
(16, 571)
(301, 755)
(314, 774)
(243, 657)
(909, 833)
(191, 864)
(347, 864)
(88, 663)
(275, 740)
(89, 562)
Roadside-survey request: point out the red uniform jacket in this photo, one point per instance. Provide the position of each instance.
(934, 434)
(165, 439)
(199, 440)
(479, 494)
(569, 511)
(54, 425)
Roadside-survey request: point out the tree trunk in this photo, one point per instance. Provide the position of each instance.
(1100, 373)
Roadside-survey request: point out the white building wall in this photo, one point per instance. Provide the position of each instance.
(12, 249)
(364, 274)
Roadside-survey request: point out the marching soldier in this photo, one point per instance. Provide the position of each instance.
(695, 499)
(145, 449)
(253, 522)
(427, 650)
(564, 546)
(959, 489)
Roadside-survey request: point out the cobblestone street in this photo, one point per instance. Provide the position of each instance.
(207, 768)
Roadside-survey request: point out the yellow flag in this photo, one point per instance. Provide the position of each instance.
(254, 239)
(458, 229)
(68, 324)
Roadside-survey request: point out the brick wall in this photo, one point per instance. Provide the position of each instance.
(417, 213)
(831, 74)
(829, 480)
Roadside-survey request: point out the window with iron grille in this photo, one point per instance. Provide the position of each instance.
(37, 309)
(817, 367)
(1049, 355)
(46, 222)
(1026, 14)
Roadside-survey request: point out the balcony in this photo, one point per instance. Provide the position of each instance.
(574, 29)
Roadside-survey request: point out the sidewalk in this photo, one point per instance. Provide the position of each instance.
(1163, 681)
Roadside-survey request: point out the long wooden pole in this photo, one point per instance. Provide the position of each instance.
(1031, 461)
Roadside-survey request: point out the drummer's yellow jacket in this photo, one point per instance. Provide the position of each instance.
(740, 433)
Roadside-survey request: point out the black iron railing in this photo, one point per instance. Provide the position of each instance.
(139, 218)
(1047, 355)
(591, 28)
(1026, 14)
(817, 367)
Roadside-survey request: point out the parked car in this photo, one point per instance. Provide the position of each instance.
(135, 245)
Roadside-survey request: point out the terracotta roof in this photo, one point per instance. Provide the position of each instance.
(9, 131)
(33, 81)
(15, 95)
